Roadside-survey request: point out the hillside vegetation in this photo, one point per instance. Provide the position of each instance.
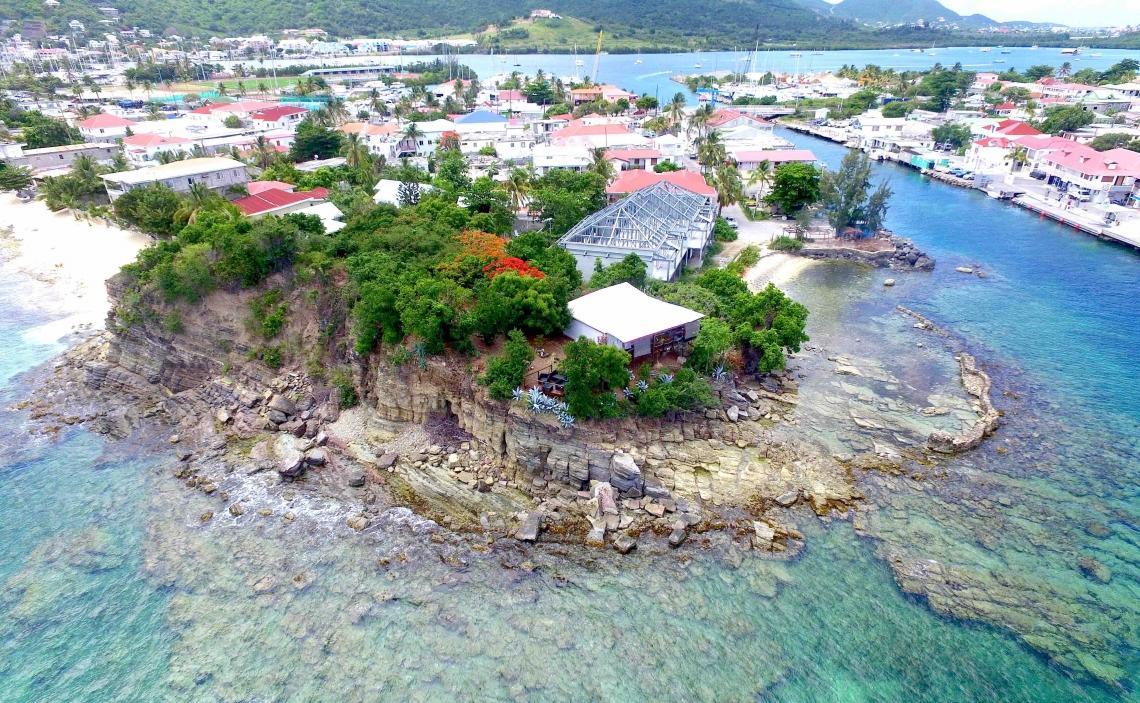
(675, 24)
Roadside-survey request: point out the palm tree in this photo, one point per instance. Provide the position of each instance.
(1018, 157)
(699, 122)
(412, 133)
(518, 187)
(729, 188)
(262, 152)
(761, 176)
(241, 88)
(337, 111)
(197, 199)
(676, 111)
(711, 151)
(355, 150)
(262, 87)
(601, 165)
(130, 85)
(1066, 69)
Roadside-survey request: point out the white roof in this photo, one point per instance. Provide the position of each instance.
(388, 191)
(175, 169)
(626, 313)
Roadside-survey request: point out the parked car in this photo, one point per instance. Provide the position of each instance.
(1039, 175)
(732, 222)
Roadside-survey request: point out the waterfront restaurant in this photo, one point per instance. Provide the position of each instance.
(624, 317)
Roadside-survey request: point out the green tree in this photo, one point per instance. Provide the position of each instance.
(41, 132)
(1065, 118)
(15, 177)
(151, 209)
(848, 199)
(631, 270)
(795, 185)
(315, 141)
(564, 197)
(432, 310)
(1115, 140)
(507, 370)
(710, 345)
(955, 134)
(593, 373)
(513, 301)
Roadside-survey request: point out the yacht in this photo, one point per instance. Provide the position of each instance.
(795, 54)
(985, 50)
(1070, 52)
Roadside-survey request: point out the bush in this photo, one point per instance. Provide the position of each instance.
(272, 356)
(786, 243)
(711, 344)
(722, 231)
(671, 393)
(507, 371)
(593, 373)
(630, 270)
(346, 390)
(745, 260)
(268, 314)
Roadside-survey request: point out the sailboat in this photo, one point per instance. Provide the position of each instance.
(638, 56)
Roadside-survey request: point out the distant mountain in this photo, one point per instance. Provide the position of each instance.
(892, 12)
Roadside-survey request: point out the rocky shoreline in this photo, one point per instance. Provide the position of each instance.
(902, 255)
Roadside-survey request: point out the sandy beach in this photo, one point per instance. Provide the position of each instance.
(65, 261)
(777, 268)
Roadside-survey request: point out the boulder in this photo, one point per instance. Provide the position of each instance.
(282, 404)
(963, 269)
(677, 537)
(607, 502)
(288, 460)
(762, 535)
(597, 536)
(625, 544)
(356, 480)
(316, 457)
(788, 499)
(625, 475)
(733, 413)
(655, 509)
(528, 530)
(387, 460)
(276, 417)
(357, 522)
(889, 282)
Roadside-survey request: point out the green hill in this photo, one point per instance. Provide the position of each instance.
(674, 24)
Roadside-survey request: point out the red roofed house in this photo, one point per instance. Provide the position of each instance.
(278, 117)
(1084, 174)
(1014, 128)
(747, 160)
(626, 159)
(1052, 88)
(101, 127)
(606, 92)
(632, 181)
(278, 200)
(145, 148)
(595, 136)
(1038, 146)
(728, 119)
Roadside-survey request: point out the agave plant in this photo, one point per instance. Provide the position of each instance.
(642, 386)
(518, 393)
(720, 374)
(665, 378)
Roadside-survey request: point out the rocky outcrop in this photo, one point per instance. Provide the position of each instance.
(977, 383)
(901, 255)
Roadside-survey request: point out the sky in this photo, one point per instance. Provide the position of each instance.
(1077, 13)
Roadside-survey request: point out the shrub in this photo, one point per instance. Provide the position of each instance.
(712, 342)
(346, 390)
(682, 391)
(268, 314)
(745, 260)
(593, 372)
(786, 243)
(272, 356)
(630, 270)
(722, 231)
(507, 371)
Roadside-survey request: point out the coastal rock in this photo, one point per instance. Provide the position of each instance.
(528, 530)
(357, 522)
(762, 535)
(1094, 569)
(387, 460)
(677, 537)
(289, 461)
(624, 544)
(282, 405)
(733, 413)
(963, 269)
(316, 457)
(788, 499)
(625, 475)
(889, 282)
(356, 480)
(607, 503)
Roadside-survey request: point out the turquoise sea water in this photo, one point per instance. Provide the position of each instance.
(110, 589)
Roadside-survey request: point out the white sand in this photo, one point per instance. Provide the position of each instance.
(777, 268)
(65, 260)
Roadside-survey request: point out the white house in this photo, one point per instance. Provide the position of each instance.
(624, 317)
